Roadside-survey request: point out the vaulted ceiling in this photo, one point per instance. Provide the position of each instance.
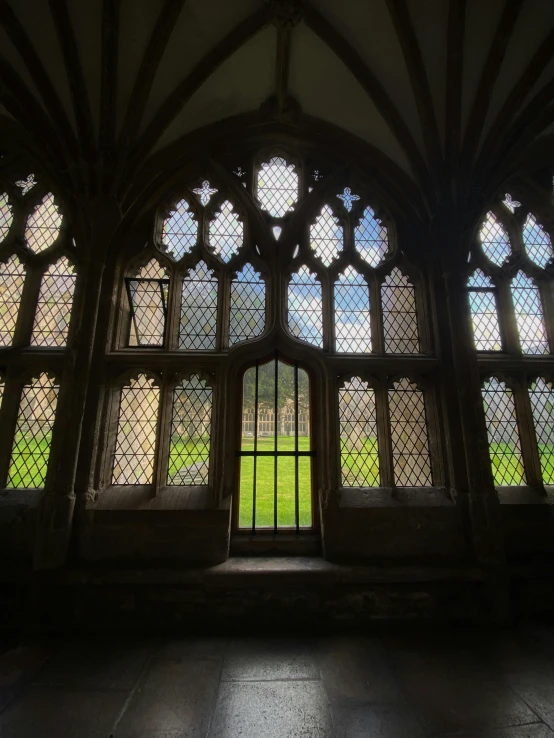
(434, 88)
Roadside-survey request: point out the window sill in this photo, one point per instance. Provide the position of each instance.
(525, 495)
(394, 497)
(142, 498)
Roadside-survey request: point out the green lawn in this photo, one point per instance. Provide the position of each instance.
(265, 484)
(29, 462)
(507, 466)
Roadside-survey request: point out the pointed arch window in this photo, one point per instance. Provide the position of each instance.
(529, 315)
(359, 445)
(538, 243)
(326, 236)
(371, 238)
(189, 450)
(6, 216)
(147, 294)
(179, 231)
(54, 305)
(33, 433)
(484, 312)
(135, 445)
(226, 232)
(277, 187)
(494, 240)
(305, 311)
(352, 319)
(12, 278)
(247, 315)
(503, 433)
(43, 225)
(198, 326)
(400, 324)
(409, 435)
(541, 394)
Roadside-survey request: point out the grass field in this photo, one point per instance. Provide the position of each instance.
(28, 467)
(265, 484)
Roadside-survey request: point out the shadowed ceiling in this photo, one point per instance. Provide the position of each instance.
(436, 89)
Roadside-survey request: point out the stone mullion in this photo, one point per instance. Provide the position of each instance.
(8, 419)
(376, 316)
(507, 315)
(28, 305)
(547, 301)
(57, 505)
(163, 434)
(527, 436)
(328, 324)
(172, 324)
(386, 465)
(223, 309)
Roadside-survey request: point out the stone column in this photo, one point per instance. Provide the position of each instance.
(95, 223)
(471, 477)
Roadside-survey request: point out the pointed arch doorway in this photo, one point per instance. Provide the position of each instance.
(276, 471)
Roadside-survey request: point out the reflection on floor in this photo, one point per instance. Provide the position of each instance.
(394, 683)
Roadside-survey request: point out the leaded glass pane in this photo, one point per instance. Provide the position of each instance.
(54, 305)
(6, 216)
(358, 435)
(537, 242)
(529, 316)
(12, 278)
(484, 315)
(326, 236)
(305, 307)
(503, 434)
(352, 323)
(180, 230)
(410, 443)
(136, 432)
(494, 239)
(148, 295)
(199, 310)
(43, 225)
(542, 404)
(226, 232)
(371, 237)
(277, 187)
(399, 314)
(247, 318)
(33, 433)
(189, 451)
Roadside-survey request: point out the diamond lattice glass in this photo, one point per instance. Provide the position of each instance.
(277, 187)
(1, 391)
(352, 322)
(371, 237)
(541, 395)
(43, 225)
(179, 231)
(12, 277)
(410, 442)
(399, 314)
(136, 432)
(503, 434)
(247, 318)
(494, 239)
(305, 307)
(226, 232)
(33, 433)
(326, 236)
(484, 315)
(358, 435)
(537, 242)
(6, 216)
(55, 300)
(189, 451)
(529, 315)
(148, 294)
(198, 327)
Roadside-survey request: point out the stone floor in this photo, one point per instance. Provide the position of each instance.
(393, 683)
